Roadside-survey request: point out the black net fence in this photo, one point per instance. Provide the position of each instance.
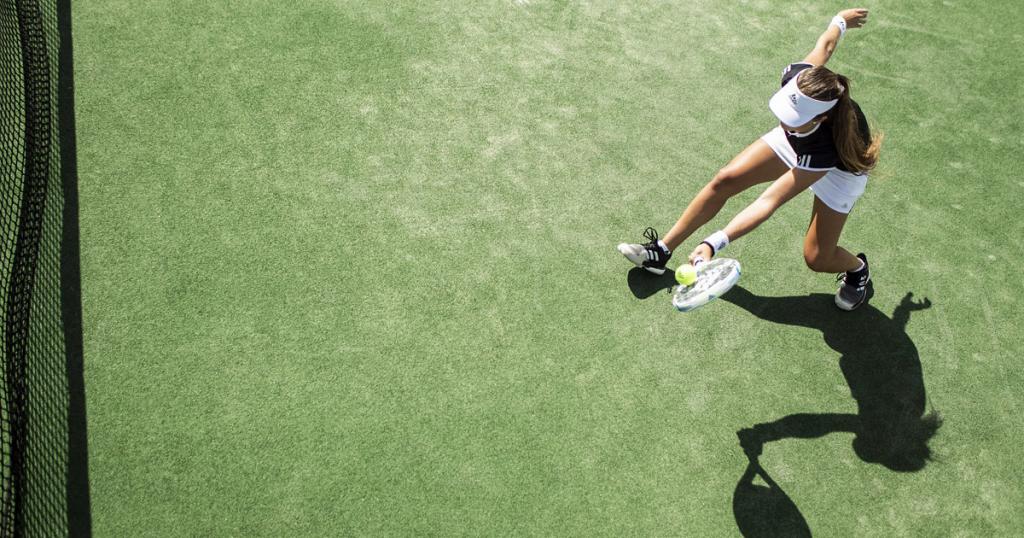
(42, 406)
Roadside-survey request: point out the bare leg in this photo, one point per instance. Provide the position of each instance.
(755, 164)
(821, 245)
(779, 192)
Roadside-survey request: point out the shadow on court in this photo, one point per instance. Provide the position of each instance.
(765, 510)
(76, 491)
(644, 284)
(883, 370)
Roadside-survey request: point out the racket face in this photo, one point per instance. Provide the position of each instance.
(714, 278)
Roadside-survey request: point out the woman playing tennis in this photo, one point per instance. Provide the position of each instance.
(822, 143)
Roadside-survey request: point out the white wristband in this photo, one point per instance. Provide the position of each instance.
(840, 23)
(717, 241)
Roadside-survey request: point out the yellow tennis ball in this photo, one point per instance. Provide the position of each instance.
(686, 274)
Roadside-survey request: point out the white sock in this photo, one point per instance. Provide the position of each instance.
(664, 246)
(861, 268)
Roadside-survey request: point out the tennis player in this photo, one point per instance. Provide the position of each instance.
(822, 142)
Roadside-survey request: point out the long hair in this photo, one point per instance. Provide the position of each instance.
(822, 84)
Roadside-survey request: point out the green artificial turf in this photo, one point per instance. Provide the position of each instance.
(349, 268)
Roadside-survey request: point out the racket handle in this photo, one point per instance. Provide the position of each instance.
(698, 260)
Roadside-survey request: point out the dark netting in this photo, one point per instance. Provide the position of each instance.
(44, 476)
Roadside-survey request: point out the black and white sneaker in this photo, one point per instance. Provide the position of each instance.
(853, 289)
(649, 255)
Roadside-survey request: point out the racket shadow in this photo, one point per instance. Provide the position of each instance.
(763, 511)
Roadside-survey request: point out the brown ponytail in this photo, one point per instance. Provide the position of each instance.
(822, 84)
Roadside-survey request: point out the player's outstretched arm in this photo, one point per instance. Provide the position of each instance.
(826, 45)
(781, 191)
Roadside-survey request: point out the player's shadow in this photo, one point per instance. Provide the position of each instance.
(883, 370)
(881, 366)
(644, 284)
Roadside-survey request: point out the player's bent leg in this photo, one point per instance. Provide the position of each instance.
(823, 254)
(821, 244)
(757, 163)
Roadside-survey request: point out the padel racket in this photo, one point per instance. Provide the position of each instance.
(714, 278)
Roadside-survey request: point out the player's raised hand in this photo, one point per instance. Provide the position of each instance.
(855, 18)
(910, 304)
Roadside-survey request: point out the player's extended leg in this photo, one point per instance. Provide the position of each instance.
(758, 163)
(824, 255)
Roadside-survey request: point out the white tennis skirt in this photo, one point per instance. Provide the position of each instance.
(838, 189)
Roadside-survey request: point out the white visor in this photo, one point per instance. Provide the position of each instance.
(795, 109)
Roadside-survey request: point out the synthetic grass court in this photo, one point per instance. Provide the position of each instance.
(349, 269)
